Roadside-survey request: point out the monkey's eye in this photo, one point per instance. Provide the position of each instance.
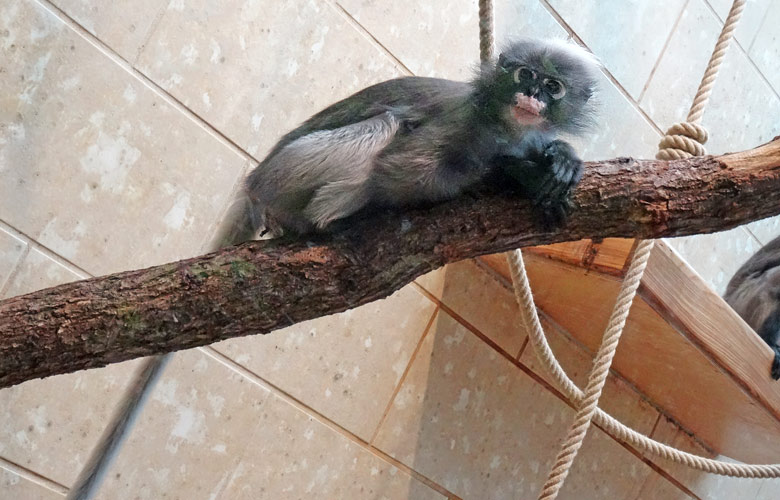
(523, 73)
(555, 88)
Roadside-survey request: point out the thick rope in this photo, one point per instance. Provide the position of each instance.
(607, 422)
(598, 375)
(687, 135)
(687, 139)
(486, 43)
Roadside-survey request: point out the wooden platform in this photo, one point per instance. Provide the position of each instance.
(683, 346)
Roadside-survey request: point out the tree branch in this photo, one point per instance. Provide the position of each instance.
(258, 287)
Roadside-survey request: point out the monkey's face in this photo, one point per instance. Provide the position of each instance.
(532, 94)
(546, 86)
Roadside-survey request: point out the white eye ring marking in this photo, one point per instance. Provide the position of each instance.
(523, 73)
(556, 88)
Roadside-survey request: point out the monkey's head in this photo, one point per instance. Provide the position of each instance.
(544, 84)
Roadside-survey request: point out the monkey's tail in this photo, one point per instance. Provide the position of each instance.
(243, 221)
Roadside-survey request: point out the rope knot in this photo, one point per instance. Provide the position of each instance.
(682, 140)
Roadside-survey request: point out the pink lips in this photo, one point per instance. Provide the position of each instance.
(527, 110)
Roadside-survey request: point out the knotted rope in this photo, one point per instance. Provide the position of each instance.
(682, 140)
(686, 139)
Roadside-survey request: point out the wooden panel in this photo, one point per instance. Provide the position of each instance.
(671, 370)
(612, 253)
(607, 256)
(685, 300)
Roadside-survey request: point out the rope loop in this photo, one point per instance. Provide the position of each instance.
(682, 140)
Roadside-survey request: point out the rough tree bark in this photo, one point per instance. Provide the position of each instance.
(258, 287)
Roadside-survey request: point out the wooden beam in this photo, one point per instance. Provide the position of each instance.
(258, 287)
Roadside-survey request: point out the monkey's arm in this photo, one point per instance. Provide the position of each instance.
(544, 170)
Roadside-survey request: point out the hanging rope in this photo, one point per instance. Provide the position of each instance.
(610, 424)
(689, 138)
(485, 31)
(601, 364)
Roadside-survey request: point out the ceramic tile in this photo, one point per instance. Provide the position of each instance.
(345, 366)
(657, 487)
(97, 166)
(627, 36)
(12, 249)
(477, 297)
(256, 69)
(18, 488)
(765, 230)
(768, 491)
(743, 111)
(765, 50)
(673, 86)
(50, 425)
(619, 399)
(123, 26)
(717, 256)
(524, 20)
(706, 486)
(468, 419)
(208, 432)
(751, 19)
(620, 128)
(297, 457)
(189, 435)
(37, 271)
(438, 38)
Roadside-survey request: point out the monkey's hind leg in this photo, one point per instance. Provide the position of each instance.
(336, 200)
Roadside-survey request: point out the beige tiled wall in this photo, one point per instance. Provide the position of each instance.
(125, 127)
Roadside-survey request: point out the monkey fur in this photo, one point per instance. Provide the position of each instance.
(754, 293)
(416, 140)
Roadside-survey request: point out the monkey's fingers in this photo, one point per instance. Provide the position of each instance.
(545, 189)
(776, 364)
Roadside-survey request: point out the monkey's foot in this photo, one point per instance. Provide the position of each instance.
(776, 364)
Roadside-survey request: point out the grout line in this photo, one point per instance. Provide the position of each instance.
(33, 477)
(32, 243)
(655, 425)
(316, 415)
(604, 70)
(14, 272)
(362, 30)
(402, 379)
(473, 329)
(423, 479)
(735, 42)
(759, 28)
(145, 80)
(522, 348)
(663, 51)
(658, 470)
(18, 264)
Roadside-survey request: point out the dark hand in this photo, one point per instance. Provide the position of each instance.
(545, 172)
